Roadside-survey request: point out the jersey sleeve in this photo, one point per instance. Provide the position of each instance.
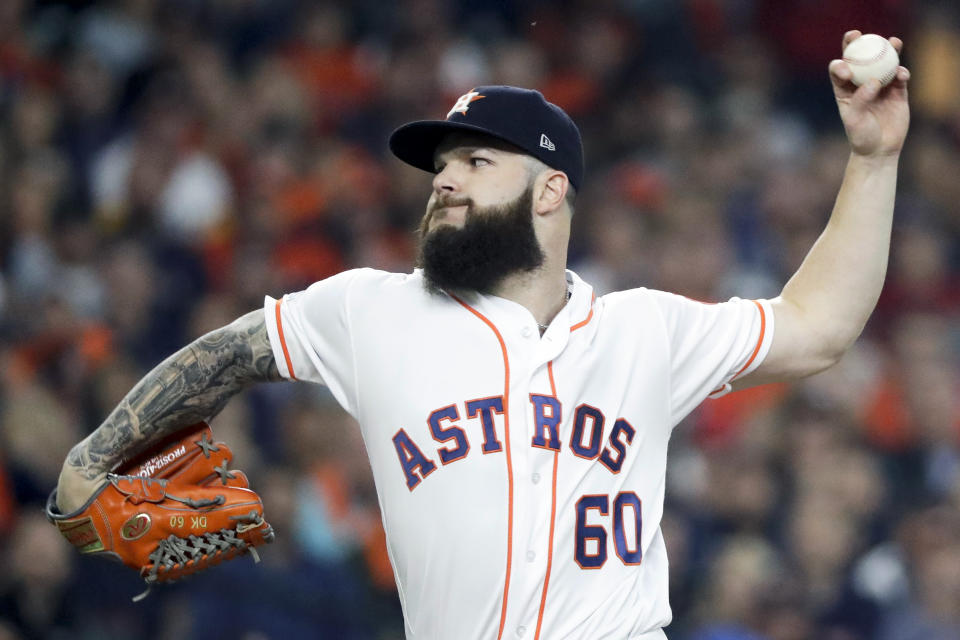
(310, 335)
(711, 345)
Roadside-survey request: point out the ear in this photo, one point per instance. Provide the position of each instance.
(550, 190)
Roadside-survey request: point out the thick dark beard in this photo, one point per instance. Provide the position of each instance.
(493, 243)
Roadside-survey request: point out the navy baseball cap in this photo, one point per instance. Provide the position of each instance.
(521, 117)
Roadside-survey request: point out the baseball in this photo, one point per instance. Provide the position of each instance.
(871, 56)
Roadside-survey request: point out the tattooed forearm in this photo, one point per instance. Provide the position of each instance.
(191, 385)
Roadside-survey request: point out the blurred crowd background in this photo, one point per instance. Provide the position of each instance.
(164, 164)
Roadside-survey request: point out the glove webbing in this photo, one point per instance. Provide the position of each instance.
(209, 548)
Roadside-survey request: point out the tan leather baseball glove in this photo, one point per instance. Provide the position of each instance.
(174, 510)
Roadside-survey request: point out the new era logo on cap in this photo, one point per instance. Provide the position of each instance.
(521, 117)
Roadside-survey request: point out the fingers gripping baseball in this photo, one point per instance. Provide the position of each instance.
(875, 115)
(173, 511)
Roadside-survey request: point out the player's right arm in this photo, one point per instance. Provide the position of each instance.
(191, 385)
(825, 305)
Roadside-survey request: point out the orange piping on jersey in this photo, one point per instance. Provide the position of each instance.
(283, 341)
(553, 518)
(756, 349)
(506, 435)
(586, 320)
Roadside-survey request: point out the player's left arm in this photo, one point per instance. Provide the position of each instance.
(825, 305)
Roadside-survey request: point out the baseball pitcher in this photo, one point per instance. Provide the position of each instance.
(516, 423)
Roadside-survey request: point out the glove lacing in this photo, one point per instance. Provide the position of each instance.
(224, 473)
(194, 552)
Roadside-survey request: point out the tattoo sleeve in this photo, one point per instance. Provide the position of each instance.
(191, 385)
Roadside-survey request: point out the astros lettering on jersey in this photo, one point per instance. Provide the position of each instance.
(520, 477)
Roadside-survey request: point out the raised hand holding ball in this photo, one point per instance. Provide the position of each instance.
(871, 56)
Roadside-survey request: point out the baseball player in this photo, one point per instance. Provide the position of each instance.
(517, 423)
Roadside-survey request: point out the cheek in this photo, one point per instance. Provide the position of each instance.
(498, 191)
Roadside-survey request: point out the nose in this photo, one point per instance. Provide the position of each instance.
(446, 181)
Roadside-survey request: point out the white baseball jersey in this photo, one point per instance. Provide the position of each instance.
(520, 476)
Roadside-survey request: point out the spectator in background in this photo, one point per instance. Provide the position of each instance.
(33, 592)
(930, 552)
(741, 571)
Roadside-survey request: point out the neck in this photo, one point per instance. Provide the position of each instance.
(543, 292)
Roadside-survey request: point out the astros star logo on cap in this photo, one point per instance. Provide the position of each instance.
(463, 102)
(517, 116)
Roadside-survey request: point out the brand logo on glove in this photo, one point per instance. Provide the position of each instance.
(156, 464)
(135, 527)
(82, 534)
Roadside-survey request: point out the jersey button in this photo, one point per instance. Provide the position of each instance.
(535, 478)
(531, 556)
(521, 630)
(526, 332)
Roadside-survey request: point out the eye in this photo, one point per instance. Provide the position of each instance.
(479, 161)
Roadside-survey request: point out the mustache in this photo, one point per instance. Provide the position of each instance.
(450, 201)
